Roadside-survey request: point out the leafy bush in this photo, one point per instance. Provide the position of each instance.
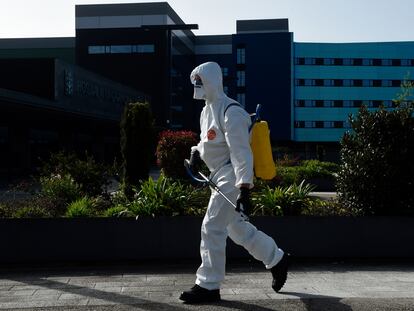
(115, 211)
(173, 147)
(87, 173)
(137, 144)
(83, 207)
(63, 187)
(377, 170)
(31, 212)
(318, 207)
(5, 211)
(279, 201)
(307, 170)
(168, 198)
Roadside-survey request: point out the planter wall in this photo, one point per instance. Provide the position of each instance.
(118, 239)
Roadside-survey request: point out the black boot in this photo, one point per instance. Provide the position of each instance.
(198, 294)
(279, 272)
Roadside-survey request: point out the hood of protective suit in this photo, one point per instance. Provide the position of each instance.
(212, 78)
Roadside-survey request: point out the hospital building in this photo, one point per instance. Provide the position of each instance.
(57, 92)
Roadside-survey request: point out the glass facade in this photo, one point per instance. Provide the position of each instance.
(121, 49)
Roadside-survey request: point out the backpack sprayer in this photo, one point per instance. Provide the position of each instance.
(264, 166)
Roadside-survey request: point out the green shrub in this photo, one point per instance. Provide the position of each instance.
(62, 187)
(285, 201)
(173, 147)
(137, 144)
(377, 170)
(5, 211)
(31, 212)
(307, 170)
(115, 211)
(318, 207)
(167, 197)
(83, 207)
(197, 201)
(91, 176)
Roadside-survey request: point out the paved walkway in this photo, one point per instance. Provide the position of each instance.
(247, 287)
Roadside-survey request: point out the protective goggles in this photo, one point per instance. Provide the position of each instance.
(198, 82)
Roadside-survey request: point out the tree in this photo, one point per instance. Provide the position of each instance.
(137, 143)
(377, 169)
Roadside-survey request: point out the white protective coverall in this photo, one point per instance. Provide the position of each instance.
(223, 138)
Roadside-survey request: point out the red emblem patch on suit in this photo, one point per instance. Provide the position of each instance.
(211, 134)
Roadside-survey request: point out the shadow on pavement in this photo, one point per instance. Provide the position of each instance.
(147, 304)
(144, 304)
(314, 302)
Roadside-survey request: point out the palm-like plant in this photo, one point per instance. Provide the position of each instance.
(282, 200)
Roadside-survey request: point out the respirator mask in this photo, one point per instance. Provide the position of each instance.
(199, 92)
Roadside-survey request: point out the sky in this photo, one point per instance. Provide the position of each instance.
(310, 20)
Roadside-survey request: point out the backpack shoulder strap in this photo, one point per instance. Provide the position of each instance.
(227, 108)
(224, 114)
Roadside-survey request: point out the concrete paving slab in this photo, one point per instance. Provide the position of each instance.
(309, 287)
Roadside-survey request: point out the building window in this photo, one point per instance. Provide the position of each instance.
(357, 62)
(299, 124)
(241, 55)
(367, 83)
(225, 71)
(309, 124)
(396, 62)
(367, 62)
(300, 103)
(96, 49)
(328, 82)
(318, 82)
(241, 78)
(319, 103)
(121, 49)
(319, 124)
(309, 103)
(376, 103)
(327, 124)
(241, 98)
(348, 82)
(406, 62)
(376, 83)
(300, 61)
(328, 103)
(338, 103)
(357, 103)
(348, 103)
(357, 82)
(386, 62)
(143, 48)
(396, 83)
(310, 61)
(387, 103)
(367, 103)
(309, 82)
(299, 82)
(376, 62)
(338, 124)
(348, 62)
(386, 83)
(328, 61)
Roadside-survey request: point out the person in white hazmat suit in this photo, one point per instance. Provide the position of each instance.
(225, 148)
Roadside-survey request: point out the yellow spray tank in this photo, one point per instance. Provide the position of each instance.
(264, 166)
